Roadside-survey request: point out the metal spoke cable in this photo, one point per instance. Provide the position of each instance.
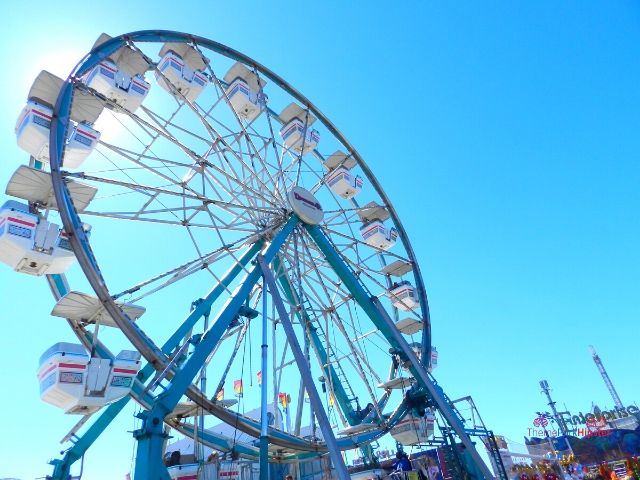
(331, 310)
(244, 134)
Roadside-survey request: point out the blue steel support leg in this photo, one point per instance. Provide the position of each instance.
(327, 369)
(264, 372)
(151, 436)
(342, 398)
(305, 373)
(62, 468)
(379, 316)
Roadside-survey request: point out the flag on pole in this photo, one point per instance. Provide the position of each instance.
(237, 387)
(259, 377)
(284, 399)
(220, 395)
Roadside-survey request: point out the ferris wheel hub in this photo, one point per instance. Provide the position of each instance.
(305, 205)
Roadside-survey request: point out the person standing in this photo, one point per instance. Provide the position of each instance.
(402, 463)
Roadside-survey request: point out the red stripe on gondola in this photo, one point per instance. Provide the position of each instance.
(52, 367)
(87, 134)
(48, 117)
(108, 67)
(72, 365)
(124, 370)
(22, 222)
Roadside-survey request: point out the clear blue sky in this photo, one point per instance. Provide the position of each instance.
(506, 136)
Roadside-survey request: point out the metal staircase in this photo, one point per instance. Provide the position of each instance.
(478, 429)
(332, 362)
(495, 457)
(451, 462)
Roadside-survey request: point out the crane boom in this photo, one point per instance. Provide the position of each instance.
(605, 377)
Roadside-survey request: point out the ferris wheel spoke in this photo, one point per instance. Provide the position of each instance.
(217, 138)
(150, 220)
(164, 124)
(318, 265)
(278, 157)
(215, 185)
(210, 118)
(129, 154)
(307, 317)
(304, 141)
(235, 181)
(155, 133)
(339, 218)
(263, 175)
(176, 274)
(330, 310)
(234, 225)
(370, 272)
(156, 136)
(238, 212)
(246, 136)
(153, 170)
(161, 132)
(220, 154)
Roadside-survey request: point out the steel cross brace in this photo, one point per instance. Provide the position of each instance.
(62, 466)
(151, 436)
(379, 316)
(327, 368)
(305, 372)
(341, 395)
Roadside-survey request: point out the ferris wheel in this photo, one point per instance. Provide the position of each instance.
(229, 236)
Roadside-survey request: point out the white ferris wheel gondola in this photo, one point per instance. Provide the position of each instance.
(120, 77)
(181, 70)
(404, 297)
(245, 92)
(296, 131)
(34, 122)
(77, 383)
(30, 244)
(414, 429)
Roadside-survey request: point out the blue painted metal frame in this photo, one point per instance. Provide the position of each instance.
(378, 315)
(151, 436)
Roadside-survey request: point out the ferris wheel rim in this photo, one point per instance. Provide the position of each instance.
(166, 35)
(71, 219)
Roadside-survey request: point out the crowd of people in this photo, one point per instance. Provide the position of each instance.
(425, 467)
